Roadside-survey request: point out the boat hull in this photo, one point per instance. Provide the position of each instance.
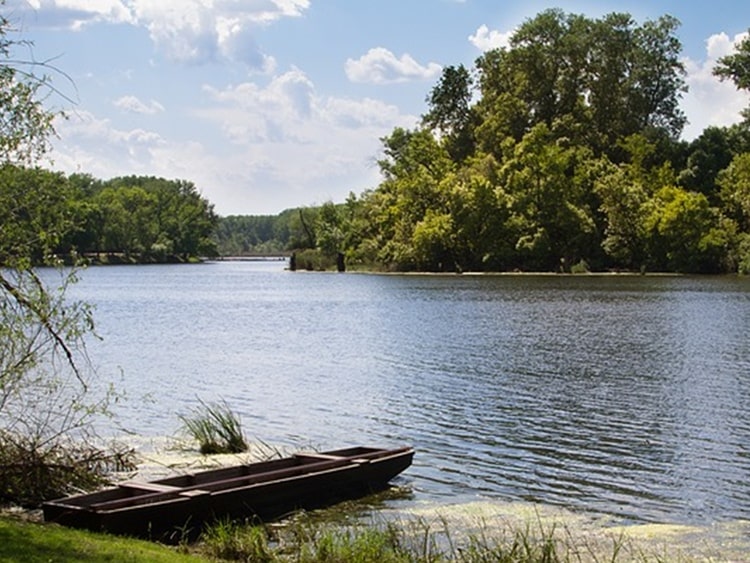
(177, 508)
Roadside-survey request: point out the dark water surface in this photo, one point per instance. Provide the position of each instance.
(625, 396)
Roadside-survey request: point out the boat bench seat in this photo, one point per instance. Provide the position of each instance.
(314, 455)
(150, 487)
(329, 457)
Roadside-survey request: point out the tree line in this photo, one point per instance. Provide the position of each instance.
(559, 152)
(132, 218)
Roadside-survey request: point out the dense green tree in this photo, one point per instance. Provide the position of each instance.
(687, 234)
(128, 218)
(36, 214)
(710, 153)
(167, 217)
(330, 229)
(623, 199)
(434, 242)
(480, 210)
(450, 113)
(560, 151)
(553, 224)
(144, 218)
(625, 191)
(548, 58)
(502, 114)
(591, 80)
(414, 166)
(734, 182)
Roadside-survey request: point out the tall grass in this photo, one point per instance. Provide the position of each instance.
(232, 541)
(216, 428)
(305, 541)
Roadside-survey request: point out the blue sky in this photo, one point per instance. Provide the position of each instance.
(272, 104)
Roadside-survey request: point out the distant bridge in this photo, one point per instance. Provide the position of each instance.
(276, 256)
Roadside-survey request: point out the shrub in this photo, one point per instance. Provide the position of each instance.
(31, 473)
(581, 267)
(314, 260)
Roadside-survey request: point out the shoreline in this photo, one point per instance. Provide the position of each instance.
(588, 535)
(715, 541)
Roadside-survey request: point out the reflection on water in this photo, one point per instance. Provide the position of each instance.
(623, 396)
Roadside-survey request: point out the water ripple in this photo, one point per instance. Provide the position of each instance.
(628, 396)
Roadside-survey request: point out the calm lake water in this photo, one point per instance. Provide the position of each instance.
(623, 396)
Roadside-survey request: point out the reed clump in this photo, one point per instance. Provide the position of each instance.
(216, 428)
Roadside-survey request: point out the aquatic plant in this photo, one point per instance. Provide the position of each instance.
(216, 428)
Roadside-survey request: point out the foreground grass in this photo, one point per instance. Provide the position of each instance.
(32, 542)
(303, 540)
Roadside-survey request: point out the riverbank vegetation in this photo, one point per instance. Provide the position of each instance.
(306, 541)
(561, 152)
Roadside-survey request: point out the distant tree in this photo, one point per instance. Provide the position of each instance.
(154, 218)
(240, 235)
(129, 222)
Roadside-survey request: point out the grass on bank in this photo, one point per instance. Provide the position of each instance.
(304, 540)
(35, 542)
(298, 542)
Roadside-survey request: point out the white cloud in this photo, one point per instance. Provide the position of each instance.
(73, 14)
(381, 66)
(184, 34)
(249, 113)
(254, 148)
(289, 139)
(189, 31)
(132, 104)
(95, 146)
(485, 39)
(353, 114)
(711, 102)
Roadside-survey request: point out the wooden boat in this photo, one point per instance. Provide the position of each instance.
(171, 508)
